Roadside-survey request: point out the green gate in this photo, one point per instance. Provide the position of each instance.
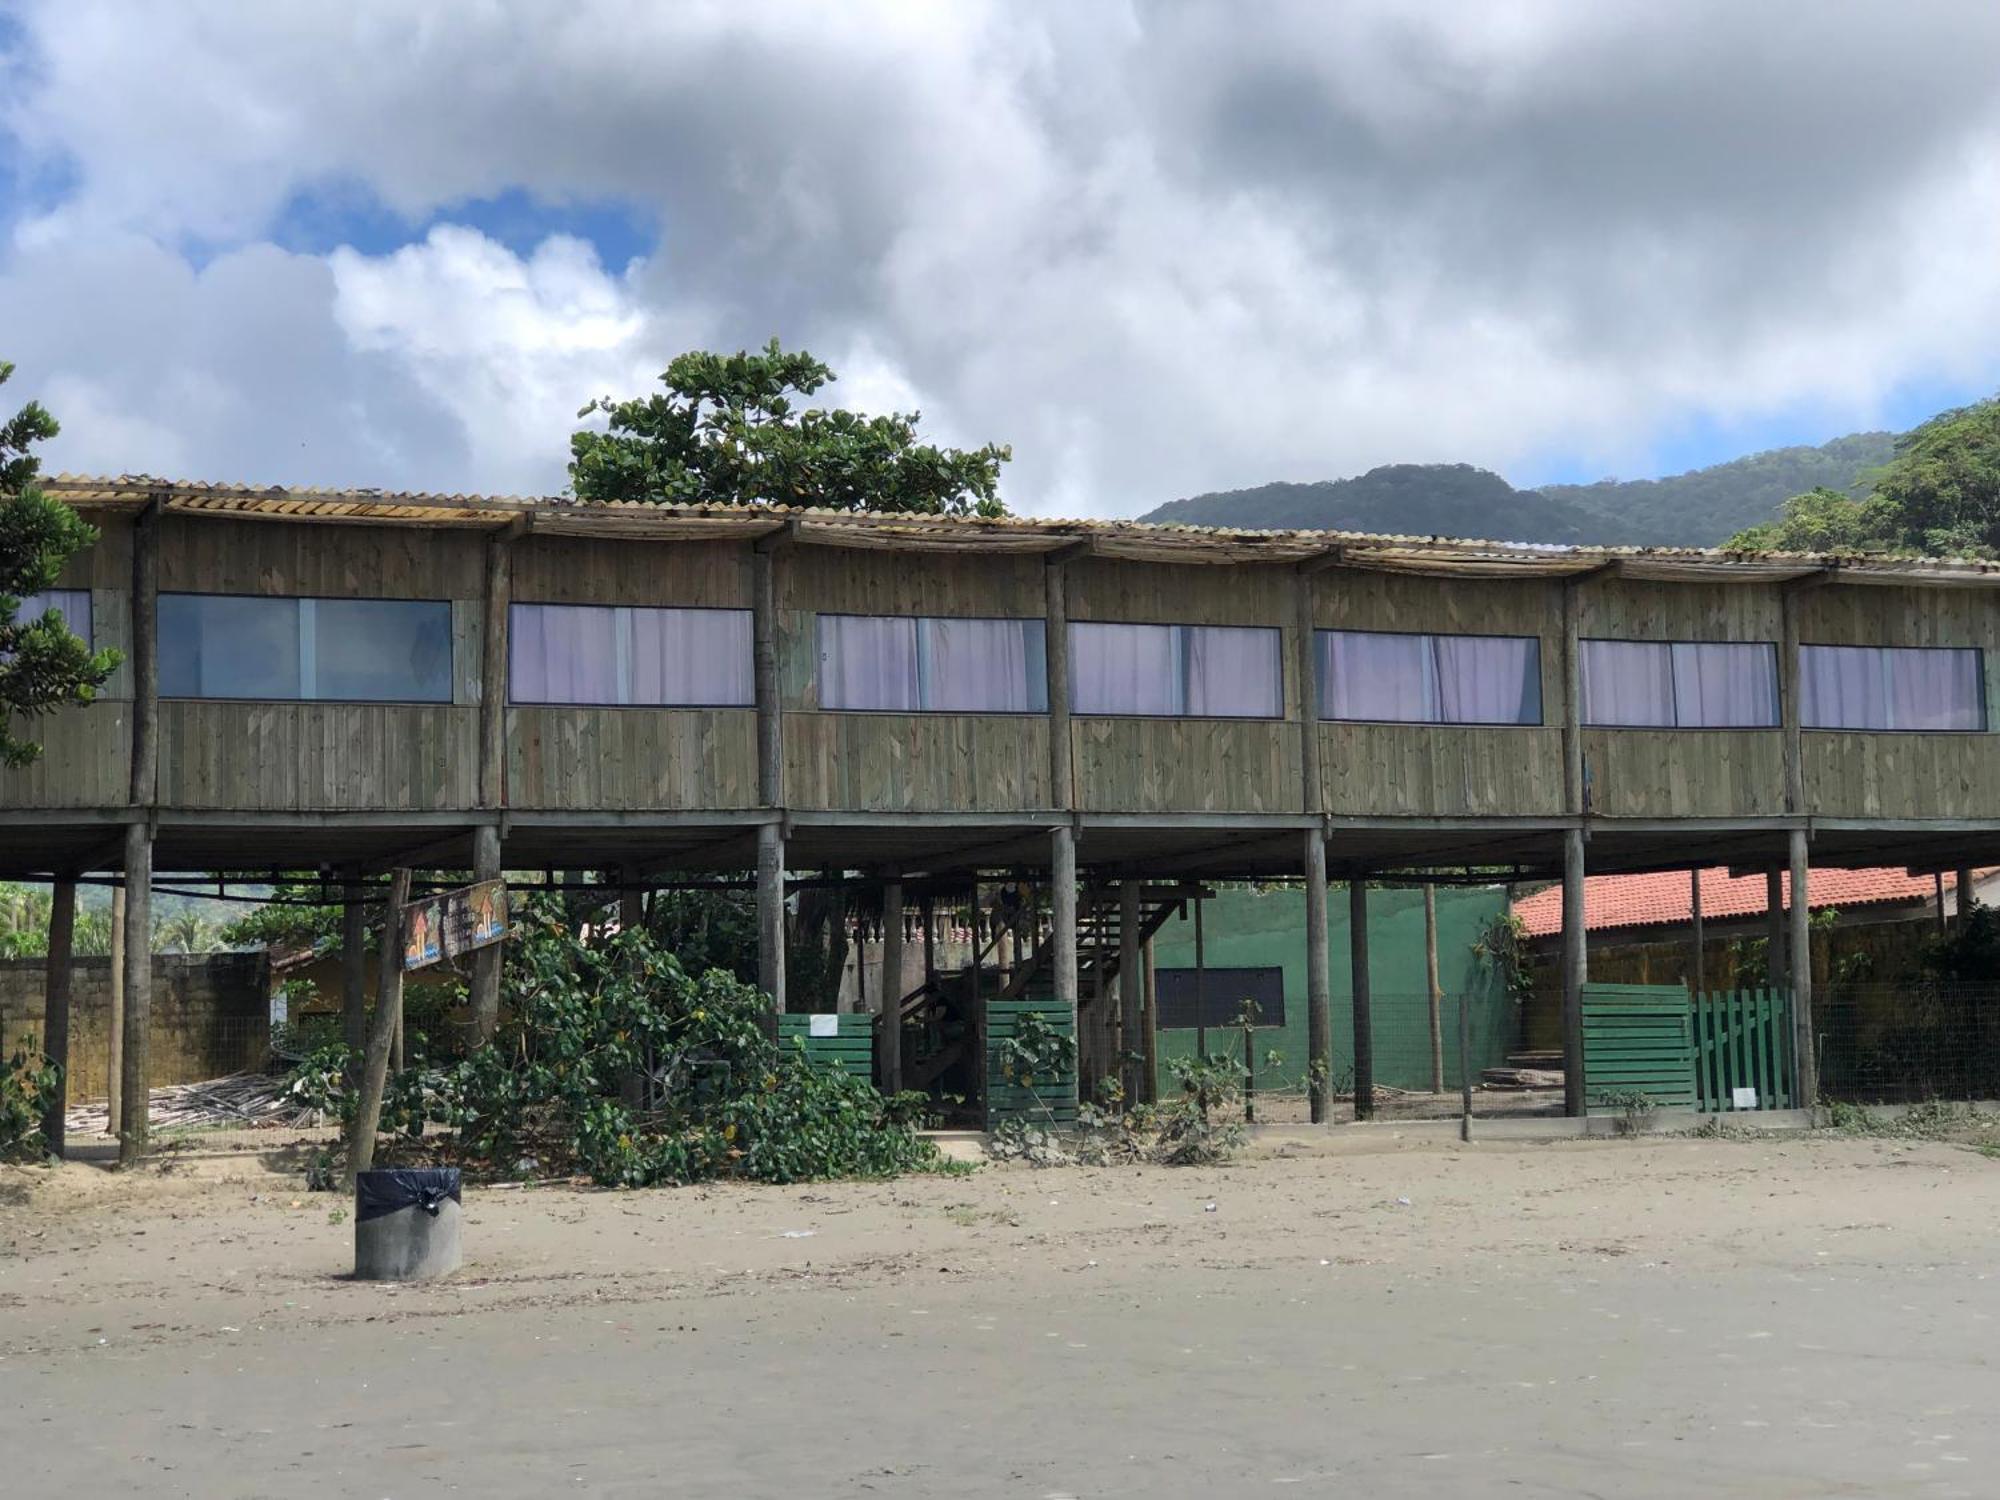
(1045, 1101)
(1637, 1040)
(845, 1042)
(1743, 1040)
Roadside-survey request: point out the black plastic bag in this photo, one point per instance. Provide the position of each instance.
(393, 1188)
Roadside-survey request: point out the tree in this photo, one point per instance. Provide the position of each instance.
(728, 431)
(43, 665)
(1822, 520)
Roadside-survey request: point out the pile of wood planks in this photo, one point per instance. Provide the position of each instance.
(240, 1100)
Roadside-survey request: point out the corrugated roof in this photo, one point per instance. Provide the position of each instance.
(1133, 540)
(1667, 899)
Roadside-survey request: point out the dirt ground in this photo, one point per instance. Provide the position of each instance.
(1782, 1317)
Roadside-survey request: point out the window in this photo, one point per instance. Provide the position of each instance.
(1429, 679)
(1680, 684)
(72, 604)
(629, 656)
(333, 650)
(1202, 671)
(1223, 992)
(904, 664)
(1892, 687)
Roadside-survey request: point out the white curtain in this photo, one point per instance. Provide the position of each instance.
(1627, 683)
(1934, 688)
(72, 604)
(1489, 679)
(1367, 674)
(562, 653)
(1725, 685)
(868, 662)
(1233, 672)
(691, 657)
(1125, 669)
(983, 666)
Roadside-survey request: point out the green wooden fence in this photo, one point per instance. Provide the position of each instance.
(1637, 1039)
(1743, 1039)
(1049, 1100)
(850, 1047)
(1688, 1052)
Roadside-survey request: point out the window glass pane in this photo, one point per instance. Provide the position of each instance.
(868, 662)
(72, 604)
(1367, 674)
(381, 650)
(562, 653)
(1934, 688)
(984, 666)
(1627, 683)
(1233, 672)
(1718, 685)
(1489, 679)
(221, 646)
(691, 656)
(1125, 669)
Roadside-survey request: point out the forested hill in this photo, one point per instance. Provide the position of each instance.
(1699, 508)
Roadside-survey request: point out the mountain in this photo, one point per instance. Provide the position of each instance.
(1696, 509)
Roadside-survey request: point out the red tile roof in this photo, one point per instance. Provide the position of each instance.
(1611, 901)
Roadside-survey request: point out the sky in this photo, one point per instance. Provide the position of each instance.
(1158, 248)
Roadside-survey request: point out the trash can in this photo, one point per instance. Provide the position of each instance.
(406, 1223)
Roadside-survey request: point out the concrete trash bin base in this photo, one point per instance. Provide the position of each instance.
(406, 1223)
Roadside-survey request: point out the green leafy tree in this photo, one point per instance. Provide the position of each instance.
(729, 429)
(43, 665)
(1823, 520)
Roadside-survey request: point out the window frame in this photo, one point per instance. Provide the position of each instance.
(1775, 648)
(622, 645)
(1985, 725)
(1185, 656)
(1036, 686)
(307, 636)
(1320, 680)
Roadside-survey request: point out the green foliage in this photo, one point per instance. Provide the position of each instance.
(322, 1080)
(588, 1020)
(1502, 950)
(1822, 520)
(1189, 1133)
(43, 665)
(28, 1080)
(1970, 951)
(728, 430)
(293, 918)
(1634, 1107)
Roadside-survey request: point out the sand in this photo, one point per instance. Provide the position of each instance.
(1670, 1317)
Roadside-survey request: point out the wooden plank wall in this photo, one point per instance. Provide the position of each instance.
(625, 759)
(284, 757)
(1855, 774)
(918, 763)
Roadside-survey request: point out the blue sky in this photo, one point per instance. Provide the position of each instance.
(1155, 249)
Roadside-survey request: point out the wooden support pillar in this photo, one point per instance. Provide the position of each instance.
(1151, 1025)
(1306, 670)
(1937, 881)
(1200, 985)
(1319, 980)
(133, 1060)
(1697, 959)
(1967, 897)
(1062, 906)
(771, 914)
(55, 1008)
(485, 989)
(891, 1037)
(1131, 991)
(381, 1031)
(353, 968)
(1433, 991)
(1575, 971)
(1364, 1019)
(1777, 970)
(1801, 972)
(114, 1070)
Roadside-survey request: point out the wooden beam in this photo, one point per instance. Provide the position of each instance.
(133, 1081)
(1332, 557)
(114, 1071)
(1575, 972)
(1306, 665)
(1062, 780)
(1319, 984)
(55, 1009)
(1801, 973)
(1364, 1020)
(771, 914)
(484, 991)
(1062, 905)
(890, 1038)
(1131, 986)
(381, 1033)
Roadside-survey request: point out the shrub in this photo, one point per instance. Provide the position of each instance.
(28, 1080)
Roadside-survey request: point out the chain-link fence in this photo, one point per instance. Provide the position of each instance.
(1906, 1044)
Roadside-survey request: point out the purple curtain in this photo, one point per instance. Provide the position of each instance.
(1935, 688)
(983, 666)
(1628, 683)
(691, 657)
(562, 653)
(72, 604)
(1372, 675)
(1125, 669)
(1233, 672)
(868, 662)
(1725, 685)
(1489, 679)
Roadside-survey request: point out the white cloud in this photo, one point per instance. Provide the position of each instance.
(1158, 248)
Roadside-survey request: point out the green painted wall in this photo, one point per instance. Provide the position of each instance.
(1249, 927)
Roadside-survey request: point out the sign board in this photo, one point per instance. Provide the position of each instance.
(1743, 1098)
(454, 922)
